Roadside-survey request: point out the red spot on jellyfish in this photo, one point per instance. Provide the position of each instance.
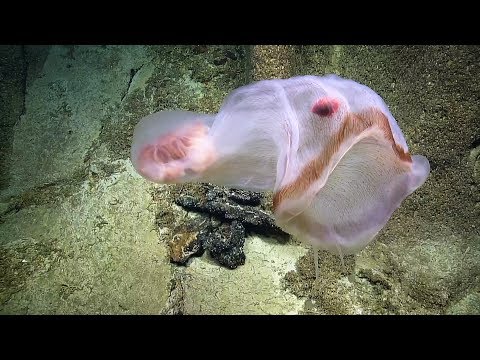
(326, 106)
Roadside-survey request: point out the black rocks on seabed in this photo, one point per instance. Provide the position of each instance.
(234, 213)
(225, 209)
(225, 244)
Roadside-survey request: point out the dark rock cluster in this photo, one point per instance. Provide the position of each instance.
(232, 214)
(232, 205)
(225, 243)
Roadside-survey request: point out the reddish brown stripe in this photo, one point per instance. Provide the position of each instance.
(353, 125)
